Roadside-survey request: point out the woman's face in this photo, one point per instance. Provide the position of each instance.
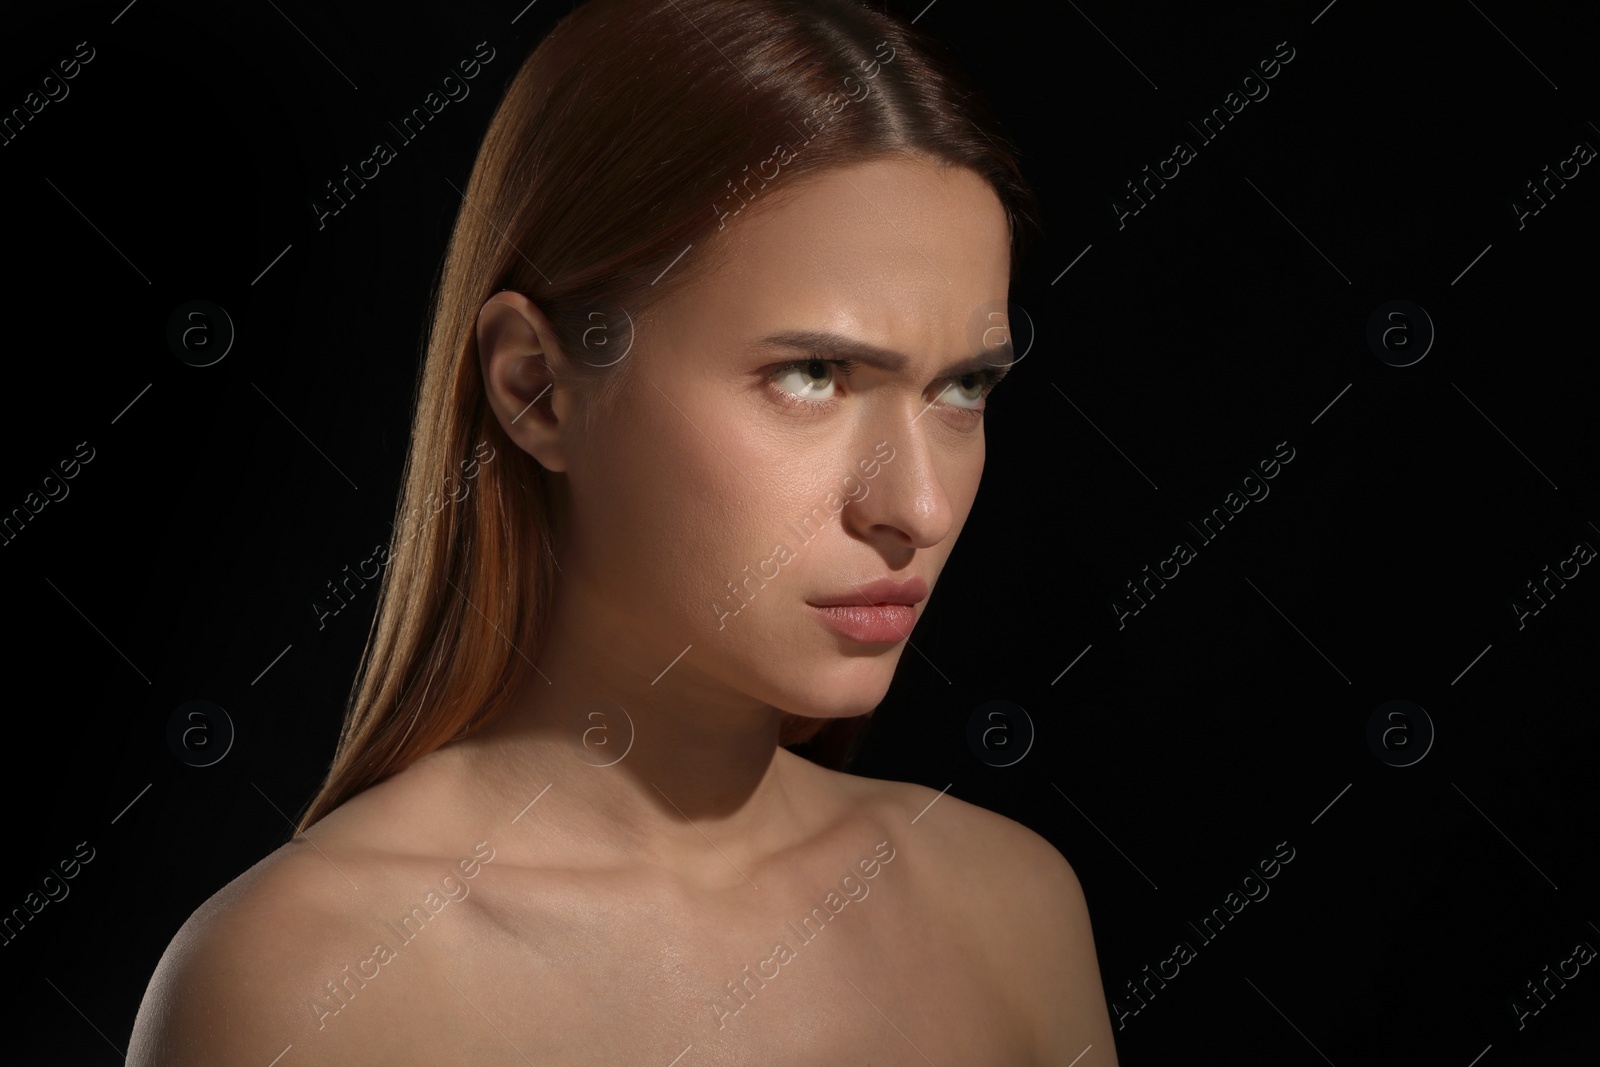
(720, 496)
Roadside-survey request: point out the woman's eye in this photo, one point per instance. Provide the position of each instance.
(810, 378)
(962, 395)
(817, 380)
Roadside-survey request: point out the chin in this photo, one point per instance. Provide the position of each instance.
(854, 688)
(832, 711)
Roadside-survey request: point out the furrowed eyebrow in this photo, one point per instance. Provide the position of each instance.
(824, 343)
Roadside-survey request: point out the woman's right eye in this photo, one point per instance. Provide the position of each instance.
(812, 379)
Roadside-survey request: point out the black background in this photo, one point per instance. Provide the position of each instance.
(1227, 316)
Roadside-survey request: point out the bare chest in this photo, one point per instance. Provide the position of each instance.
(801, 971)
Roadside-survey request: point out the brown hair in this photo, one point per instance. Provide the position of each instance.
(626, 136)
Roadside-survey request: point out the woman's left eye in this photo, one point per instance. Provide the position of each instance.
(963, 395)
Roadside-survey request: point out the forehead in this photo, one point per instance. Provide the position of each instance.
(898, 252)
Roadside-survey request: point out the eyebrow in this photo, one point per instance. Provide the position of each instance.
(824, 343)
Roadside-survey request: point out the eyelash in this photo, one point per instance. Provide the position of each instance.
(989, 377)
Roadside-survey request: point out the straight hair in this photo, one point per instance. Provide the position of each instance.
(623, 140)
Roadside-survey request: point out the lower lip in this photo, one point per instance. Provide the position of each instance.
(875, 625)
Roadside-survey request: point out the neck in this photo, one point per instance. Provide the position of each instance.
(636, 760)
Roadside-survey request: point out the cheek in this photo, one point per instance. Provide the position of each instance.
(667, 513)
(961, 477)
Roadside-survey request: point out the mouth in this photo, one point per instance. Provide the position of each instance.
(870, 624)
(878, 612)
(876, 593)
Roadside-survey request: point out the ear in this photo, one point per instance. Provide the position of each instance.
(524, 376)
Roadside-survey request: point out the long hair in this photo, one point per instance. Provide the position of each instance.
(636, 129)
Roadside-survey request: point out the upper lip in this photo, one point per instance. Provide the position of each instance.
(881, 591)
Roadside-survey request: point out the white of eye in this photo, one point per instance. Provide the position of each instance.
(954, 394)
(809, 387)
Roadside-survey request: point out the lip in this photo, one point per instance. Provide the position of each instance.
(879, 612)
(878, 593)
(870, 624)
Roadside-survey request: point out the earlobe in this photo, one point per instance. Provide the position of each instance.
(520, 362)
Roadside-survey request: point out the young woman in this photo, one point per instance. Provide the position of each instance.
(711, 353)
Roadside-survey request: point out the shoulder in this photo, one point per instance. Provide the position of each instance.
(978, 844)
(252, 971)
(1020, 898)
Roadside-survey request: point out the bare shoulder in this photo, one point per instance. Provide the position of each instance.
(301, 950)
(963, 836)
(1021, 898)
(263, 966)
(217, 995)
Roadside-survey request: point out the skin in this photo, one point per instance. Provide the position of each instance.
(650, 840)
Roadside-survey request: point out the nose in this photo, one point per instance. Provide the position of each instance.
(906, 506)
